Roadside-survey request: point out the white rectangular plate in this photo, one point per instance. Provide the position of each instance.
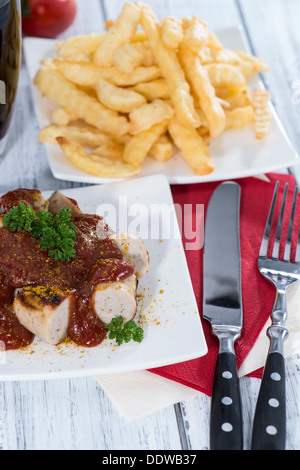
(236, 153)
(167, 306)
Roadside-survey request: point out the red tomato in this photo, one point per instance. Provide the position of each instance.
(47, 18)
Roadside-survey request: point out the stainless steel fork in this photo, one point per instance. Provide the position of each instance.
(269, 427)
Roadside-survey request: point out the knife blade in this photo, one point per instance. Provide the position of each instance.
(222, 307)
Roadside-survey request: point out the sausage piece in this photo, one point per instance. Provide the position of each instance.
(134, 252)
(58, 201)
(116, 298)
(44, 311)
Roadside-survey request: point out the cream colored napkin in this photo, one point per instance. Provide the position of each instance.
(138, 394)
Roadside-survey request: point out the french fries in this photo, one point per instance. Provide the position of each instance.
(57, 88)
(192, 146)
(79, 45)
(171, 32)
(95, 164)
(128, 57)
(142, 87)
(61, 117)
(171, 70)
(153, 90)
(138, 147)
(196, 34)
(162, 150)
(118, 98)
(84, 135)
(148, 115)
(262, 116)
(205, 92)
(239, 117)
(225, 75)
(88, 74)
(121, 32)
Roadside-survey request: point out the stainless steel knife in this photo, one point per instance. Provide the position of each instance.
(222, 307)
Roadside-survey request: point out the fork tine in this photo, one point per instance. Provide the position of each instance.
(297, 256)
(287, 249)
(265, 241)
(275, 252)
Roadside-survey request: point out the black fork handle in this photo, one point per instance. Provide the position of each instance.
(269, 427)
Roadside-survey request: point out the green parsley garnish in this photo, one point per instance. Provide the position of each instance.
(124, 333)
(56, 234)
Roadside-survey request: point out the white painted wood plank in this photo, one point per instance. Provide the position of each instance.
(273, 27)
(217, 13)
(76, 415)
(89, 18)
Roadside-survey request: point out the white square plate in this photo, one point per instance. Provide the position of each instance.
(167, 306)
(236, 153)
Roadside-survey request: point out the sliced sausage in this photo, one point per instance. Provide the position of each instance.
(44, 311)
(31, 197)
(134, 252)
(116, 298)
(58, 201)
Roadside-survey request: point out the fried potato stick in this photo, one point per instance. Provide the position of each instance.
(55, 87)
(171, 32)
(205, 92)
(117, 98)
(155, 89)
(250, 64)
(162, 150)
(128, 57)
(87, 44)
(78, 45)
(60, 117)
(86, 135)
(225, 75)
(139, 145)
(262, 114)
(235, 97)
(95, 164)
(195, 34)
(171, 70)
(192, 146)
(239, 117)
(112, 150)
(120, 33)
(148, 115)
(87, 74)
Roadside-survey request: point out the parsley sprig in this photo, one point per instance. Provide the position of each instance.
(124, 333)
(56, 234)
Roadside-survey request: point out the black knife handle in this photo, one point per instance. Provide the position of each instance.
(269, 427)
(226, 426)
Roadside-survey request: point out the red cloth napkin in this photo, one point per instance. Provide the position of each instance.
(257, 293)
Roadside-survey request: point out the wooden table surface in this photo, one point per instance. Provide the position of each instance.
(75, 414)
